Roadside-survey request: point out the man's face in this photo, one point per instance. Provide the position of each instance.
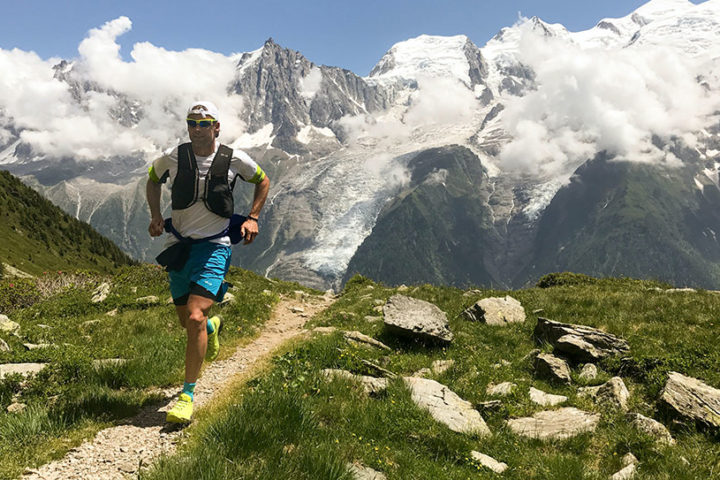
(202, 135)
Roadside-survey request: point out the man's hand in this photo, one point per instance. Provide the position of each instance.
(249, 230)
(157, 226)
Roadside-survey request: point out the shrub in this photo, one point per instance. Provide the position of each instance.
(565, 279)
(17, 293)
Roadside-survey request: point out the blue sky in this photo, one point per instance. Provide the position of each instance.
(352, 35)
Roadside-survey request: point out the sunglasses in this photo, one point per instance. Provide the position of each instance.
(200, 123)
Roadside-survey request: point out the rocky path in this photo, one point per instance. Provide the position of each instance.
(119, 452)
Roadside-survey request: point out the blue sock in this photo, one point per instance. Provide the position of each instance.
(210, 328)
(189, 388)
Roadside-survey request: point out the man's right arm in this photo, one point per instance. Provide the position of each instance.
(153, 191)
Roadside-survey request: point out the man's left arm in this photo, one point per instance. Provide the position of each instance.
(249, 229)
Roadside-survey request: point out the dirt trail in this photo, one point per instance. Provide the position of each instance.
(119, 452)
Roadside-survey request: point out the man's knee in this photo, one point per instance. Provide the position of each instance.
(196, 318)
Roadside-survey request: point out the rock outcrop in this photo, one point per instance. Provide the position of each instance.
(555, 424)
(579, 342)
(692, 399)
(446, 406)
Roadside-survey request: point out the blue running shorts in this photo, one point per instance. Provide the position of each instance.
(206, 267)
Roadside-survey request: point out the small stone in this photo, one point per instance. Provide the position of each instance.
(553, 368)
(324, 330)
(402, 288)
(23, 369)
(295, 309)
(228, 299)
(89, 323)
(360, 338)
(379, 301)
(16, 407)
(101, 293)
(4, 347)
(112, 312)
(378, 309)
(615, 393)
(546, 399)
(500, 390)
(651, 427)
(629, 459)
(8, 326)
(361, 472)
(371, 319)
(489, 462)
(39, 346)
(626, 473)
(589, 371)
(496, 311)
(371, 385)
(149, 300)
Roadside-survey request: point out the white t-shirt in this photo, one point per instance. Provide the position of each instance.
(197, 221)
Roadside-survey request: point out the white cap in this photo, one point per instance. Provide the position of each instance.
(203, 107)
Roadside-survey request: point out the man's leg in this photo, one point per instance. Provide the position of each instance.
(196, 326)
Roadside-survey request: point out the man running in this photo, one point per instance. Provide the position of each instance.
(202, 174)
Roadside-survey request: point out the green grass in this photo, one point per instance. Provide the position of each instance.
(292, 423)
(72, 398)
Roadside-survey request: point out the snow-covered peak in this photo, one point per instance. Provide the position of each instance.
(507, 40)
(655, 9)
(426, 55)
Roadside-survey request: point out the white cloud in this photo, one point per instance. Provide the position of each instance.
(592, 100)
(310, 85)
(158, 82)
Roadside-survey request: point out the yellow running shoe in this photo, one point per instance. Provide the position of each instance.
(182, 411)
(213, 342)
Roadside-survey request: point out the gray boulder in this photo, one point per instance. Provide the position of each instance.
(692, 399)
(579, 342)
(651, 427)
(446, 406)
(555, 424)
(416, 318)
(496, 311)
(553, 368)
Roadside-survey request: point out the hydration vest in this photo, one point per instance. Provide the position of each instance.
(218, 191)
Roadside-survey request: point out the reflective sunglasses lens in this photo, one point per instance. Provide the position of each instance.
(200, 123)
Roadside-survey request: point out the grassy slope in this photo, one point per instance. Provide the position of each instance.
(70, 399)
(38, 236)
(291, 423)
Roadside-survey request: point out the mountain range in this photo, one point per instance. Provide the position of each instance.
(543, 150)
